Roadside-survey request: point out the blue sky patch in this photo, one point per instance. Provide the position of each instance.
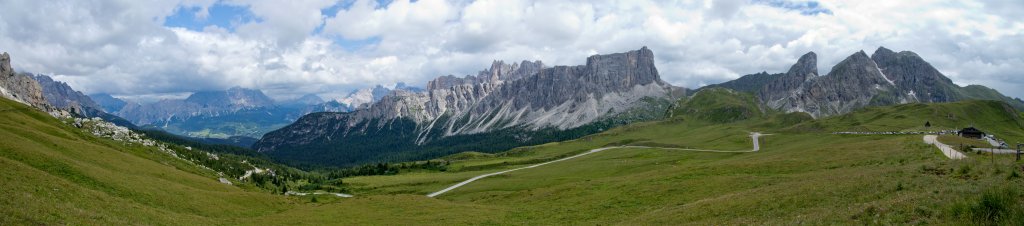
(809, 8)
(353, 45)
(221, 15)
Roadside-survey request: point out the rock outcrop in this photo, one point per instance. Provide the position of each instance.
(21, 87)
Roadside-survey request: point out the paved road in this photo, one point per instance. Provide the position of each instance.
(946, 149)
(754, 136)
(994, 143)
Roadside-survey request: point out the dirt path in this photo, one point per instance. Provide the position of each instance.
(946, 149)
(754, 136)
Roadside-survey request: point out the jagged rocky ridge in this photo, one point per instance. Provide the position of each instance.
(884, 78)
(61, 95)
(504, 106)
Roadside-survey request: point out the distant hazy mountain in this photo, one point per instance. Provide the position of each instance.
(364, 97)
(234, 112)
(109, 103)
(215, 114)
(505, 106)
(884, 78)
(308, 99)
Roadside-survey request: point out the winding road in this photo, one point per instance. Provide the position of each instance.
(754, 136)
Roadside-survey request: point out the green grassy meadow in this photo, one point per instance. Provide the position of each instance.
(54, 174)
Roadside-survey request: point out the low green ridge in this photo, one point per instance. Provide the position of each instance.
(718, 105)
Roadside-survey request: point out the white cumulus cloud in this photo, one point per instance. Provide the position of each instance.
(298, 47)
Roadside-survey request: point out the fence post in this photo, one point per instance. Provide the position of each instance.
(1018, 150)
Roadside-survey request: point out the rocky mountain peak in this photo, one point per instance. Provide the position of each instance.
(861, 66)
(21, 87)
(806, 66)
(5, 64)
(309, 99)
(498, 68)
(498, 72)
(622, 71)
(882, 52)
(916, 76)
(502, 72)
(859, 56)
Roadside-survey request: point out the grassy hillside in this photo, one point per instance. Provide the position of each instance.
(752, 83)
(802, 175)
(54, 174)
(718, 105)
(979, 92)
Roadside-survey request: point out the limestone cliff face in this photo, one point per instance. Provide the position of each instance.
(525, 96)
(21, 87)
(566, 97)
(781, 87)
(916, 77)
(854, 83)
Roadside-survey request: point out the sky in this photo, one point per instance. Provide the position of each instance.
(149, 50)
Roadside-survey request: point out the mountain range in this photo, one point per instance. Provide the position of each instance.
(884, 78)
(504, 106)
(233, 112)
(501, 107)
